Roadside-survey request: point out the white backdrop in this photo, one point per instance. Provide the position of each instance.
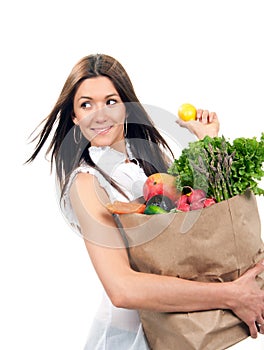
(209, 53)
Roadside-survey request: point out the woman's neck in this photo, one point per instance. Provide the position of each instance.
(120, 147)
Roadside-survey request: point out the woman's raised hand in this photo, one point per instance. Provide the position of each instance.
(206, 123)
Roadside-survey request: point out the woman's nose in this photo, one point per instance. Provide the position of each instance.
(100, 115)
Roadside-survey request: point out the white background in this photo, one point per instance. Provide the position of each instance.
(206, 52)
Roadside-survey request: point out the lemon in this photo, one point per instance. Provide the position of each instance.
(187, 112)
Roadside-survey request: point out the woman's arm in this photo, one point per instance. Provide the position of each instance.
(135, 290)
(206, 123)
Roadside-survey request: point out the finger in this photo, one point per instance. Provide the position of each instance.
(260, 320)
(212, 117)
(253, 330)
(261, 328)
(186, 124)
(257, 269)
(205, 116)
(260, 324)
(199, 114)
(180, 122)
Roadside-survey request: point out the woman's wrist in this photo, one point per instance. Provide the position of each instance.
(202, 132)
(230, 295)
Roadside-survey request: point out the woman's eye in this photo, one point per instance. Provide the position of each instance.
(86, 105)
(111, 102)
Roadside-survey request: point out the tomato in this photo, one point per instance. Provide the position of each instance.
(187, 112)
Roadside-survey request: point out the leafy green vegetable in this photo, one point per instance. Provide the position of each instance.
(221, 168)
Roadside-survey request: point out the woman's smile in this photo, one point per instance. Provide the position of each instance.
(102, 130)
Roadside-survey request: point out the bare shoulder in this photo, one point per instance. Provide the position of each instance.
(89, 200)
(82, 185)
(83, 179)
(87, 187)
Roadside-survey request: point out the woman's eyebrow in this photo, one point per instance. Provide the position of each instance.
(90, 98)
(85, 97)
(110, 95)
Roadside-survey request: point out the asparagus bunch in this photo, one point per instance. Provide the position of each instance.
(216, 167)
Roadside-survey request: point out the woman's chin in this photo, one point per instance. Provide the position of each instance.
(102, 141)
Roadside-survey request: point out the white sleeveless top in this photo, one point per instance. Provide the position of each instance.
(113, 328)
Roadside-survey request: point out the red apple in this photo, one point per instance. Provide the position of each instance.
(162, 184)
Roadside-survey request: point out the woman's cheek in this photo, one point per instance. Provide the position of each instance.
(87, 134)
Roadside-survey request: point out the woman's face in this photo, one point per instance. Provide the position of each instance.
(99, 111)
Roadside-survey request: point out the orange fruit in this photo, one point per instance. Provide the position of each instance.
(187, 112)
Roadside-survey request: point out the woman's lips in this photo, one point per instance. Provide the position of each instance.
(102, 131)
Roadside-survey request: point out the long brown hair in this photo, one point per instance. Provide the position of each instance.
(147, 144)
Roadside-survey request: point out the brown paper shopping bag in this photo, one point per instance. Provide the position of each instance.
(218, 243)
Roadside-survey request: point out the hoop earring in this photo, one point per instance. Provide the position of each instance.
(125, 128)
(76, 140)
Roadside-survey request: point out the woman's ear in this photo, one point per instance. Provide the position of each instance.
(75, 120)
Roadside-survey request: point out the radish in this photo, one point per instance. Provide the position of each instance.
(208, 202)
(197, 205)
(183, 207)
(196, 195)
(183, 199)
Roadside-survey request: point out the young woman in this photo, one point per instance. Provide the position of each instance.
(104, 146)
